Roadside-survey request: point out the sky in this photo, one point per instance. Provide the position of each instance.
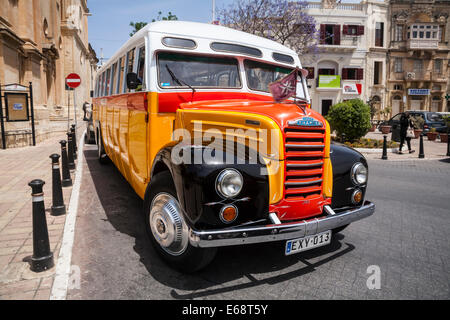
(109, 23)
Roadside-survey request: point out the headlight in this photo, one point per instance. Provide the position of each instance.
(229, 183)
(359, 173)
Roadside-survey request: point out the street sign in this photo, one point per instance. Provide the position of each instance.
(73, 80)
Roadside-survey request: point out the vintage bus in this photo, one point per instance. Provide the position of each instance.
(274, 176)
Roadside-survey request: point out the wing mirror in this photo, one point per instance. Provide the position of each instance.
(133, 81)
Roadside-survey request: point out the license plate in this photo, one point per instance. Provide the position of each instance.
(307, 243)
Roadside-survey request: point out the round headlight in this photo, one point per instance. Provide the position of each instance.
(229, 183)
(359, 173)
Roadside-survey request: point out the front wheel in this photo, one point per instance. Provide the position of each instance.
(167, 228)
(339, 229)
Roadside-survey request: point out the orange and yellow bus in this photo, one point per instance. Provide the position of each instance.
(184, 112)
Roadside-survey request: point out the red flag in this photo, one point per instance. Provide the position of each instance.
(285, 87)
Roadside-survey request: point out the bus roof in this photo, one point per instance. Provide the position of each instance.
(196, 30)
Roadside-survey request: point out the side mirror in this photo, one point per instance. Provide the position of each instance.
(133, 81)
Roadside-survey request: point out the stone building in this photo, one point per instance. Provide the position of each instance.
(42, 41)
(351, 58)
(418, 55)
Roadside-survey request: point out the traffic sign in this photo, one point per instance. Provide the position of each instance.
(73, 80)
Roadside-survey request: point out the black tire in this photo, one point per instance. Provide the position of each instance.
(89, 137)
(101, 155)
(192, 258)
(339, 229)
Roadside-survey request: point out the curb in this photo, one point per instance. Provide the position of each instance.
(375, 150)
(63, 266)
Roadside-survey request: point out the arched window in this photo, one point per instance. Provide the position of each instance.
(45, 27)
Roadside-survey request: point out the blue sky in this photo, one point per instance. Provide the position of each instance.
(109, 24)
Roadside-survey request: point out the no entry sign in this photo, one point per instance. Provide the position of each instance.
(73, 80)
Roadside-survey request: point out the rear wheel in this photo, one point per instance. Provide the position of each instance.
(167, 228)
(101, 155)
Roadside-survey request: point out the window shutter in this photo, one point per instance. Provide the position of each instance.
(360, 31)
(310, 73)
(337, 34)
(344, 74)
(360, 74)
(345, 29)
(322, 34)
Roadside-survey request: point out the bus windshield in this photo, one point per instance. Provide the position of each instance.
(197, 71)
(260, 75)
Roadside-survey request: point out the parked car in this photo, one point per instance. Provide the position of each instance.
(432, 120)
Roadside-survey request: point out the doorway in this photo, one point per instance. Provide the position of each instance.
(326, 104)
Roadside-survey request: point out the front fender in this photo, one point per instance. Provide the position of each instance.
(343, 158)
(196, 191)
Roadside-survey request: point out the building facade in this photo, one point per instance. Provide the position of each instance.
(351, 58)
(418, 55)
(42, 42)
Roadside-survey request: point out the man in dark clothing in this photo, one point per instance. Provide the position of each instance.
(405, 124)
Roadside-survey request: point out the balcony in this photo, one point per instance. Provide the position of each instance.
(340, 6)
(422, 44)
(347, 44)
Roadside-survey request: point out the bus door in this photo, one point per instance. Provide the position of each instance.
(137, 123)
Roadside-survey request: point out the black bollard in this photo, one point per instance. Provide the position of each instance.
(70, 162)
(58, 207)
(74, 141)
(42, 258)
(73, 145)
(421, 152)
(66, 180)
(384, 156)
(448, 145)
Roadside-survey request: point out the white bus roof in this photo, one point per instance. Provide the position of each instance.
(196, 30)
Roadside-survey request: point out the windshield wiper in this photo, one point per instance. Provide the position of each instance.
(179, 81)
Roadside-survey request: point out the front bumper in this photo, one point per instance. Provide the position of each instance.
(276, 232)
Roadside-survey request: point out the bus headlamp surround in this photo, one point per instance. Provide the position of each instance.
(359, 173)
(229, 183)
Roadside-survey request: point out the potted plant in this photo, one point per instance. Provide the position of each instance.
(444, 136)
(418, 122)
(373, 111)
(432, 134)
(385, 128)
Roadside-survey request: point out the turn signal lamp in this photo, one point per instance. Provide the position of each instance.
(228, 213)
(357, 196)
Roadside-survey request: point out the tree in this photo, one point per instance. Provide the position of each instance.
(170, 16)
(139, 25)
(350, 118)
(283, 21)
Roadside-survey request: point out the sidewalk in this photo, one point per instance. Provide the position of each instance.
(18, 166)
(432, 149)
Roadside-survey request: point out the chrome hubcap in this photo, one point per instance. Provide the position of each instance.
(167, 224)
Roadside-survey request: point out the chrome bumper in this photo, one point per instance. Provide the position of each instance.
(276, 232)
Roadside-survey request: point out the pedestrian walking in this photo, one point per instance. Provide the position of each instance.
(406, 131)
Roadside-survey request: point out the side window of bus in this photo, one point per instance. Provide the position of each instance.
(114, 79)
(102, 84)
(107, 81)
(130, 61)
(97, 86)
(120, 79)
(140, 68)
